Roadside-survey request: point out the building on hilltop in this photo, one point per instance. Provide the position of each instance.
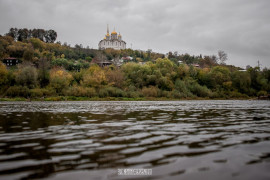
(112, 41)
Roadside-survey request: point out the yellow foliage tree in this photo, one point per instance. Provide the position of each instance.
(60, 79)
(94, 77)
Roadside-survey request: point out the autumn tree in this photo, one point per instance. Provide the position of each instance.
(60, 79)
(5, 41)
(37, 44)
(17, 49)
(94, 77)
(115, 77)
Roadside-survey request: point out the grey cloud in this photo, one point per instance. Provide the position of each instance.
(239, 27)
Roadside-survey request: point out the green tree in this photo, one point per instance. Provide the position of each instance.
(241, 81)
(218, 76)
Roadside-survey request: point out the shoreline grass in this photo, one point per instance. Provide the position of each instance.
(73, 98)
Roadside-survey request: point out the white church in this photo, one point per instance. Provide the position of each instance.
(112, 41)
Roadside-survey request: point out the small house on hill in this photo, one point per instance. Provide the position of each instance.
(11, 61)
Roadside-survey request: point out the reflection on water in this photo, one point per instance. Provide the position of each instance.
(177, 140)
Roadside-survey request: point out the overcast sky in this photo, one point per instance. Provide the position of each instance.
(239, 27)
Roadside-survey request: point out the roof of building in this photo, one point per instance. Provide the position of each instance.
(10, 58)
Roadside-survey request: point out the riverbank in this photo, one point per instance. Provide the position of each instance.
(73, 98)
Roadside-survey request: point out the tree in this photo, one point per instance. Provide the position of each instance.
(28, 55)
(23, 34)
(94, 77)
(13, 32)
(241, 81)
(50, 36)
(37, 43)
(219, 75)
(136, 74)
(43, 72)
(208, 61)
(38, 33)
(115, 77)
(3, 74)
(5, 41)
(27, 76)
(60, 79)
(222, 56)
(16, 49)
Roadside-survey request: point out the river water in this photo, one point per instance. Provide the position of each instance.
(174, 139)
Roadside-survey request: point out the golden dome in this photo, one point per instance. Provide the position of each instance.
(107, 34)
(104, 37)
(114, 32)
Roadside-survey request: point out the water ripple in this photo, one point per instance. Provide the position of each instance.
(176, 139)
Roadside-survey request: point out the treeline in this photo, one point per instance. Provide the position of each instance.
(162, 78)
(34, 49)
(23, 34)
(55, 69)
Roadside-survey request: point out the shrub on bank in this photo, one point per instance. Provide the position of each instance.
(182, 88)
(79, 91)
(36, 92)
(18, 91)
(111, 92)
(134, 94)
(151, 91)
(236, 94)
